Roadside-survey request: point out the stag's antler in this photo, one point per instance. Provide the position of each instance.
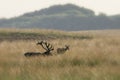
(41, 43)
(47, 46)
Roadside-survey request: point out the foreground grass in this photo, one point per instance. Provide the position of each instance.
(88, 59)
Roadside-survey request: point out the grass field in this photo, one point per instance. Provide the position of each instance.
(93, 55)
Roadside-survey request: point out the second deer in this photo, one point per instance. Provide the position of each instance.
(63, 50)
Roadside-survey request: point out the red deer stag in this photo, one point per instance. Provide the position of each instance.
(47, 46)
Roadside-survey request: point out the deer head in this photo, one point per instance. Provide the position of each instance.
(67, 47)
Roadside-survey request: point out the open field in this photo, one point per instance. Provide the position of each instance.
(93, 55)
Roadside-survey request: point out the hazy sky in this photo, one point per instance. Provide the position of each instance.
(10, 8)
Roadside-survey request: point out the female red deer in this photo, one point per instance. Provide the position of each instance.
(62, 50)
(47, 46)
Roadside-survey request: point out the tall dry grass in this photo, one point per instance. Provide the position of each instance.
(88, 59)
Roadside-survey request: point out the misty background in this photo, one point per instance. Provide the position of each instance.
(63, 17)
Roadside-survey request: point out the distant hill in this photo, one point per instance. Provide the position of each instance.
(64, 17)
(68, 9)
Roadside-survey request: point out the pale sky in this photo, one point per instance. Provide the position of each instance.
(11, 8)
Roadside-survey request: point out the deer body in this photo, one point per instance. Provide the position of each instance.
(62, 50)
(32, 54)
(48, 47)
